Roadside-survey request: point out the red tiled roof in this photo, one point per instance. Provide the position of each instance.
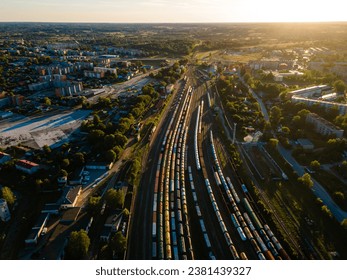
(3, 154)
(26, 164)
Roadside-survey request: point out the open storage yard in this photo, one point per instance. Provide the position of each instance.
(40, 131)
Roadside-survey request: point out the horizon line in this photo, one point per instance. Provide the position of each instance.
(193, 22)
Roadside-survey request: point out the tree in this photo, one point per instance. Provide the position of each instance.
(306, 180)
(120, 139)
(63, 173)
(47, 101)
(114, 198)
(65, 162)
(46, 149)
(78, 245)
(275, 115)
(273, 143)
(315, 165)
(326, 211)
(343, 168)
(94, 204)
(110, 156)
(78, 159)
(118, 243)
(8, 195)
(340, 86)
(339, 197)
(286, 130)
(96, 136)
(344, 224)
(303, 113)
(109, 141)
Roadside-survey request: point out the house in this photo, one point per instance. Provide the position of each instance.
(306, 144)
(62, 180)
(70, 197)
(99, 165)
(4, 158)
(5, 215)
(51, 208)
(37, 229)
(105, 234)
(111, 225)
(27, 166)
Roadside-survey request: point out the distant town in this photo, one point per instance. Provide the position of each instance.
(173, 141)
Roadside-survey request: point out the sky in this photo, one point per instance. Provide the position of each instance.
(143, 11)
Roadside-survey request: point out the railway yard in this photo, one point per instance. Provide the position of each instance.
(188, 205)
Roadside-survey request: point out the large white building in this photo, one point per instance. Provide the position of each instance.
(105, 70)
(324, 127)
(314, 95)
(4, 211)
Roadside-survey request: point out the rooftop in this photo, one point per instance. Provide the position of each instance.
(324, 121)
(26, 164)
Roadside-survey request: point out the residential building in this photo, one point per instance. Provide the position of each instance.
(37, 229)
(4, 101)
(27, 166)
(5, 215)
(306, 144)
(70, 198)
(4, 158)
(326, 104)
(310, 91)
(105, 70)
(324, 127)
(99, 165)
(92, 74)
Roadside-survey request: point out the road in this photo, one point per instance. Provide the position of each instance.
(260, 102)
(317, 188)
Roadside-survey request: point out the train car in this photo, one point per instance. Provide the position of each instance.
(272, 249)
(255, 246)
(242, 234)
(243, 256)
(211, 256)
(202, 225)
(249, 222)
(175, 253)
(228, 239)
(223, 227)
(261, 256)
(154, 250)
(168, 252)
(173, 224)
(198, 212)
(268, 231)
(244, 188)
(251, 213)
(234, 252)
(216, 177)
(173, 238)
(248, 233)
(268, 255)
(182, 245)
(235, 221)
(264, 236)
(207, 241)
